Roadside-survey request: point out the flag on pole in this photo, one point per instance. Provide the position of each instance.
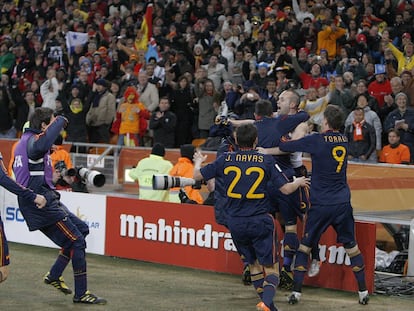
(146, 26)
(141, 42)
(74, 39)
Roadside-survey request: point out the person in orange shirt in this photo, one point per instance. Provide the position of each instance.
(185, 168)
(328, 36)
(395, 152)
(59, 153)
(132, 112)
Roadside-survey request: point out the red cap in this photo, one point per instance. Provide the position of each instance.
(406, 35)
(306, 50)
(361, 38)
(289, 48)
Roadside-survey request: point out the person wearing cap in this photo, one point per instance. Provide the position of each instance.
(381, 86)
(185, 168)
(101, 113)
(152, 165)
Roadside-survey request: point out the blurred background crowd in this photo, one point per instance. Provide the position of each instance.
(143, 72)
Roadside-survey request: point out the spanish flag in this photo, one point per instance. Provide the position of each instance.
(141, 42)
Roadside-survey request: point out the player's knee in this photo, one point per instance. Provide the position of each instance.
(79, 243)
(4, 273)
(272, 269)
(255, 268)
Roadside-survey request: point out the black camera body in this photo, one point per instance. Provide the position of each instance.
(84, 175)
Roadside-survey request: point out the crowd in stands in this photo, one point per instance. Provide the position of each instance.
(355, 54)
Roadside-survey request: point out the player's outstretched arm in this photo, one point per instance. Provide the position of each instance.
(271, 151)
(295, 184)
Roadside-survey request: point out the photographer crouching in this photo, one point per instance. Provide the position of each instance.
(69, 178)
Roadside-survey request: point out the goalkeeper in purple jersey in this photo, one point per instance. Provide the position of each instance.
(10, 185)
(244, 177)
(330, 197)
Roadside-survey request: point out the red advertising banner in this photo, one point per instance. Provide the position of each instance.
(335, 271)
(187, 235)
(169, 233)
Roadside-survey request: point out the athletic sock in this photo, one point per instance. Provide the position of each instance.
(60, 264)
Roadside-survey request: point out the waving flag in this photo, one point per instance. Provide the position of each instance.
(74, 39)
(141, 42)
(146, 26)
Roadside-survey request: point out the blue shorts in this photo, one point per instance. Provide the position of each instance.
(254, 238)
(320, 217)
(68, 233)
(4, 247)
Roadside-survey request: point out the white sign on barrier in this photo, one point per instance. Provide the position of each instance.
(91, 208)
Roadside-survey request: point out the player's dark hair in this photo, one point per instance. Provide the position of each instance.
(263, 108)
(334, 116)
(246, 135)
(294, 97)
(40, 115)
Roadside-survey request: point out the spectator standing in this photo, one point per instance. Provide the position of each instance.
(133, 115)
(314, 79)
(25, 107)
(371, 118)
(163, 122)
(328, 37)
(149, 96)
(216, 72)
(76, 130)
(146, 168)
(7, 130)
(361, 138)
(101, 113)
(408, 86)
(381, 86)
(49, 89)
(402, 120)
(389, 100)
(207, 105)
(181, 100)
(341, 96)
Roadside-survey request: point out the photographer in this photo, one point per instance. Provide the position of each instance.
(68, 179)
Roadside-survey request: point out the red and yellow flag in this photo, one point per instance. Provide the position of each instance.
(145, 33)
